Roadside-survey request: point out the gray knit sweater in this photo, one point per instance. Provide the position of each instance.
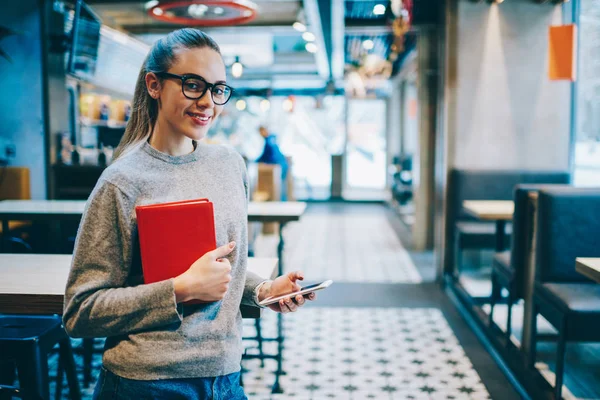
(148, 335)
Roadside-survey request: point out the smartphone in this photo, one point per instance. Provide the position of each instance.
(303, 291)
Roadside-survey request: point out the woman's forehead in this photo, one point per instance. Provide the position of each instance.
(205, 62)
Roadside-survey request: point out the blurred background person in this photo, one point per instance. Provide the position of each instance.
(272, 155)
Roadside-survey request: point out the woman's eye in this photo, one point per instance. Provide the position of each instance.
(194, 86)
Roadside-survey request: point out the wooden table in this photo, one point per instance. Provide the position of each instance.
(499, 211)
(35, 283)
(72, 210)
(271, 211)
(589, 267)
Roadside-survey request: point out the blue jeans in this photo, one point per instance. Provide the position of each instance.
(113, 387)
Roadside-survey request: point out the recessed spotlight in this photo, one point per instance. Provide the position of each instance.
(311, 47)
(240, 105)
(237, 68)
(150, 4)
(379, 9)
(299, 26)
(308, 36)
(265, 105)
(288, 105)
(197, 10)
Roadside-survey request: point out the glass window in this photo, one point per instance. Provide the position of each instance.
(366, 156)
(587, 143)
(307, 129)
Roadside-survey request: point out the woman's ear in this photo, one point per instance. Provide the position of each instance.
(153, 85)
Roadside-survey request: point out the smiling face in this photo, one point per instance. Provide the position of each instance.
(183, 116)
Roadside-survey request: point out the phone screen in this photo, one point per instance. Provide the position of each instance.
(310, 286)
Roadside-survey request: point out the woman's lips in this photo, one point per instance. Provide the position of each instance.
(200, 119)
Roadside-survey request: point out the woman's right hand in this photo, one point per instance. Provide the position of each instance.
(208, 277)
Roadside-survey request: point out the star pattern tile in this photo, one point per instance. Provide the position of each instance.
(362, 353)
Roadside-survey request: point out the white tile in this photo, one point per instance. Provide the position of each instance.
(432, 376)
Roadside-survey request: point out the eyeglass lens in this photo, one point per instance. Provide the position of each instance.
(193, 88)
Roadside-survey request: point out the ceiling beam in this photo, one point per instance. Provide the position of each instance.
(314, 20)
(337, 39)
(325, 14)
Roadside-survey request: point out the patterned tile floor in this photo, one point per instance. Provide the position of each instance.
(359, 353)
(366, 353)
(344, 247)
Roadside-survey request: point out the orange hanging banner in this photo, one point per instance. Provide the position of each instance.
(562, 52)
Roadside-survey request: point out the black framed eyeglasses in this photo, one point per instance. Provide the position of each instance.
(194, 87)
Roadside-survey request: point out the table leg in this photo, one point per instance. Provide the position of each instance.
(529, 278)
(500, 235)
(54, 240)
(276, 386)
(5, 236)
(280, 246)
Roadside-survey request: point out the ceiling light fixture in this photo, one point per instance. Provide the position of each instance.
(204, 13)
(288, 105)
(308, 36)
(379, 9)
(197, 10)
(240, 105)
(265, 105)
(237, 68)
(150, 4)
(299, 26)
(311, 47)
(368, 44)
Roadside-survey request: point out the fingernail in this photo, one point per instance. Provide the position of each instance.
(231, 245)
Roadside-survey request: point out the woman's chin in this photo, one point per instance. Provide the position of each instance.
(197, 134)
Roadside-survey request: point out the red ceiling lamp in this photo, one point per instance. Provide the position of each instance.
(205, 12)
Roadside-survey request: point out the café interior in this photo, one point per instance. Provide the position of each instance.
(439, 161)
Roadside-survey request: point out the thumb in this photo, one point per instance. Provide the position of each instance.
(222, 251)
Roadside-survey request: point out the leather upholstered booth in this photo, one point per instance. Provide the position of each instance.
(463, 231)
(568, 226)
(508, 268)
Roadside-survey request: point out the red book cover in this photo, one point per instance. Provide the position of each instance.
(173, 236)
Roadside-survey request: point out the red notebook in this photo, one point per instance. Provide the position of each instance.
(173, 236)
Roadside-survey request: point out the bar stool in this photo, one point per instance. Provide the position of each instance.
(27, 340)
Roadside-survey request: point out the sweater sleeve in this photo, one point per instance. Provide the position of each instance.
(98, 300)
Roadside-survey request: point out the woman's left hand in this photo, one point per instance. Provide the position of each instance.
(282, 285)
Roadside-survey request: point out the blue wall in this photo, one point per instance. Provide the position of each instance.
(21, 90)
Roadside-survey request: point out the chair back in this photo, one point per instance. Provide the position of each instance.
(568, 226)
(522, 231)
(15, 183)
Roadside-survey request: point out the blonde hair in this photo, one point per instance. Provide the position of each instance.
(161, 57)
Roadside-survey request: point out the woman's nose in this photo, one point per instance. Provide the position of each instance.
(206, 101)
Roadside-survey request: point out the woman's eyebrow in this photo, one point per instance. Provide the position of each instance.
(200, 76)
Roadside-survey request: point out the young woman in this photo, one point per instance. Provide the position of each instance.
(157, 347)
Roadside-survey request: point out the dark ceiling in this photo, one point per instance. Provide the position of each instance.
(344, 26)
